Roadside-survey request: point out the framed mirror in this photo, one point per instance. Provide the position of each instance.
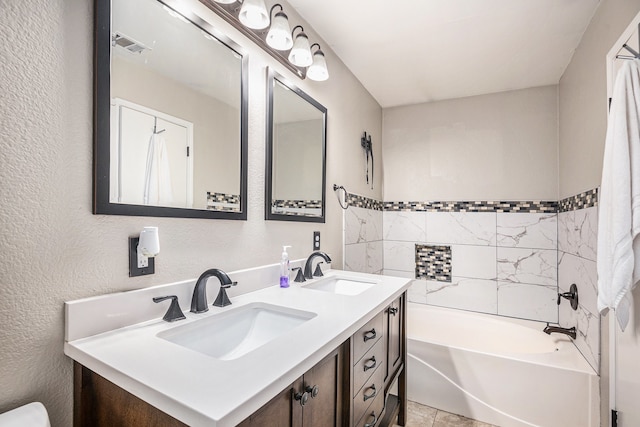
(296, 153)
(170, 135)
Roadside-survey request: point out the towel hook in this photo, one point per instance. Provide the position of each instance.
(155, 123)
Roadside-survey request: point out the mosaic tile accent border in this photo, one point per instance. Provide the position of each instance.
(475, 206)
(433, 263)
(217, 202)
(299, 204)
(223, 208)
(580, 201)
(223, 198)
(363, 202)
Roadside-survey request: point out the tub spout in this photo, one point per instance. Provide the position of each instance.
(567, 331)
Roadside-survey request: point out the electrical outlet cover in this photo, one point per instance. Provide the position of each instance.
(316, 240)
(134, 271)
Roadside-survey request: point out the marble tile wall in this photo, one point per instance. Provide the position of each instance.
(502, 263)
(363, 237)
(577, 243)
(507, 263)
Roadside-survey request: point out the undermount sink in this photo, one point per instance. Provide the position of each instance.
(234, 333)
(340, 286)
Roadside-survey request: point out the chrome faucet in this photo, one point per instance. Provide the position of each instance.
(199, 299)
(308, 265)
(567, 331)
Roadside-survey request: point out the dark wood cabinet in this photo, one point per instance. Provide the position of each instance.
(395, 339)
(100, 403)
(378, 359)
(313, 400)
(395, 408)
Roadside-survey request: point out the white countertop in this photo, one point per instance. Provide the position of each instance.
(200, 390)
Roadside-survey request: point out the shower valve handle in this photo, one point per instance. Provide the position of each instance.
(572, 296)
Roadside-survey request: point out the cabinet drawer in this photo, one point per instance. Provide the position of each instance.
(374, 414)
(367, 365)
(367, 336)
(367, 394)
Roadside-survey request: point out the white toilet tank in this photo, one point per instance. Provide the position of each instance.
(32, 415)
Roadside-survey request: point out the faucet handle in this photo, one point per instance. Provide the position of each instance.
(318, 271)
(299, 277)
(174, 312)
(222, 300)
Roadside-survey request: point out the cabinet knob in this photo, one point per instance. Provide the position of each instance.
(374, 422)
(369, 335)
(303, 398)
(372, 395)
(393, 310)
(313, 391)
(370, 365)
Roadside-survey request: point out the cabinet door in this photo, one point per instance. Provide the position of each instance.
(324, 383)
(395, 313)
(281, 411)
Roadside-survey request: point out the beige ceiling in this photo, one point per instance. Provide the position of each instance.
(414, 51)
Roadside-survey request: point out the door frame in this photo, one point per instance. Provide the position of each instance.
(116, 106)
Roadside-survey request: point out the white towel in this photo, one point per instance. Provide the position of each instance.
(157, 178)
(619, 199)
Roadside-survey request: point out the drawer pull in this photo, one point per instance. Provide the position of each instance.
(303, 398)
(374, 422)
(369, 335)
(372, 395)
(393, 310)
(313, 391)
(372, 365)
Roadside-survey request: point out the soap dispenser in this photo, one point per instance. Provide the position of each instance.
(284, 268)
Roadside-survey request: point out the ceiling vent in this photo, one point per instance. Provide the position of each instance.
(128, 43)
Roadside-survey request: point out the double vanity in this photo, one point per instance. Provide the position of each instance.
(320, 353)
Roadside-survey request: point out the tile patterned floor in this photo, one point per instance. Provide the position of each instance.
(425, 416)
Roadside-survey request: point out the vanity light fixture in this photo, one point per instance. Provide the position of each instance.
(300, 54)
(291, 48)
(318, 69)
(142, 250)
(279, 35)
(253, 14)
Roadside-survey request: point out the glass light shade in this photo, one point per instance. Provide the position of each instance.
(300, 54)
(318, 70)
(279, 35)
(254, 14)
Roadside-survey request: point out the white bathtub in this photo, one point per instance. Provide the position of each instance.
(498, 370)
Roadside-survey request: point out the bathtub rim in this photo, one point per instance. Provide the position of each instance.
(567, 356)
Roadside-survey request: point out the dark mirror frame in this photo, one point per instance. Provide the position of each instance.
(272, 77)
(102, 123)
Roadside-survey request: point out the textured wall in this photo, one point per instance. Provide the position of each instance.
(52, 249)
(502, 146)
